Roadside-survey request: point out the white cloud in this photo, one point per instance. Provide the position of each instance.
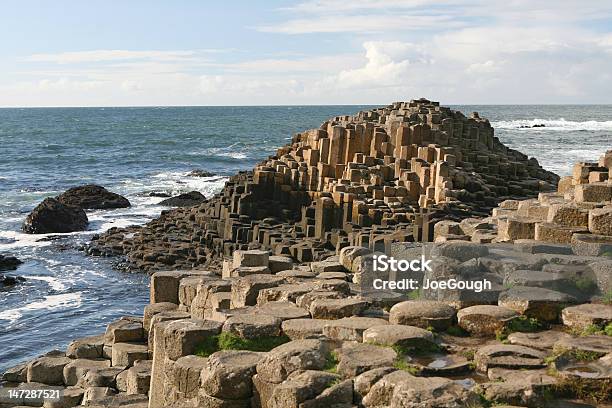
(109, 55)
(328, 6)
(386, 63)
(371, 51)
(361, 23)
(487, 67)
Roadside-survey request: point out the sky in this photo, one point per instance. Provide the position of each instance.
(183, 52)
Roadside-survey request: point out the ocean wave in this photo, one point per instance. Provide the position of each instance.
(54, 283)
(179, 182)
(19, 239)
(50, 302)
(553, 124)
(234, 151)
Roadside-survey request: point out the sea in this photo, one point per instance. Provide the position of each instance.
(142, 150)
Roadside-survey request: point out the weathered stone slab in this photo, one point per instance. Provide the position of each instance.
(363, 382)
(252, 326)
(598, 344)
(593, 192)
(540, 303)
(106, 377)
(459, 250)
(401, 388)
(126, 329)
(484, 320)
(279, 263)
(182, 378)
(541, 340)
(357, 358)
(153, 309)
(298, 329)
(295, 355)
(283, 310)
(245, 290)
(182, 337)
(422, 313)
(350, 328)
(587, 314)
(47, 369)
(138, 377)
(301, 389)
(227, 374)
(337, 308)
(125, 354)
(165, 285)
(87, 347)
(399, 335)
(250, 258)
(557, 234)
(591, 244)
(508, 356)
(513, 228)
(77, 369)
(600, 220)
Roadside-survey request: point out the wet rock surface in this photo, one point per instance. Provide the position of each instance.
(184, 200)
(53, 216)
(8, 262)
(92, 197)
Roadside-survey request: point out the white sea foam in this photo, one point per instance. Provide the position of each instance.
(54, 283)
(50, 302)
(178, 182)
(23, 240)
(143, 208)
(232, 151)
(233, 155)
(553, 124)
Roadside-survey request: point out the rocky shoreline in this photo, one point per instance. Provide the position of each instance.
(262, 296)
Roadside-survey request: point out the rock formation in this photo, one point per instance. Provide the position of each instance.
(53, 216)
(8, 262)
(65, 213)
(578, 213)
(185, 200)
(381, 176)
(284, 315)
(269, 332)
(92, 197)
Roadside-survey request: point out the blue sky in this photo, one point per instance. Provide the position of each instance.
(126, 53)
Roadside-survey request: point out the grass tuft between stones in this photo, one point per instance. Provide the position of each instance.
(331, 363)
(229, 341)
(457, 331)
(403, 365)
(607, 298)
(520, 324)
(583, 388)
(595, 330)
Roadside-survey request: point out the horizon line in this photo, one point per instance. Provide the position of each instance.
(288, 105)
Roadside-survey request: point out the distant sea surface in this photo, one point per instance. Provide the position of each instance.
(137, 151)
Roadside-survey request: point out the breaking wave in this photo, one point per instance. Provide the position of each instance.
(553, 124)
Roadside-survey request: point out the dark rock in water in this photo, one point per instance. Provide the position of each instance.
(50, 238)
(53, 216)
(159, 194)
(185, 200)
(200, 173)
(534, 126)
(8, 262)
(92, 196)
(6, 281)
